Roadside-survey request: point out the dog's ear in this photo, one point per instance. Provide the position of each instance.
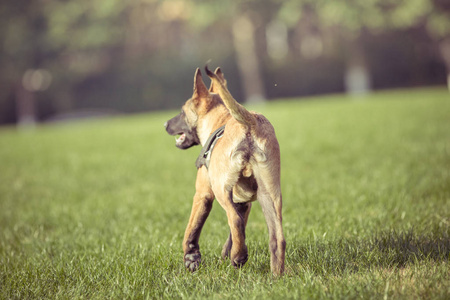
(200, 90)
(214, 88)
(219, 74)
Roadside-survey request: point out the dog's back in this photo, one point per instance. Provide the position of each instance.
(252, 147)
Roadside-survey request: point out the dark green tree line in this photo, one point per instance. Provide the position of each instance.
(60, 56)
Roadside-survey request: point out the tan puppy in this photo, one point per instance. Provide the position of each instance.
(243, 165)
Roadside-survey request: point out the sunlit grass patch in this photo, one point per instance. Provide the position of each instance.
(98, 209)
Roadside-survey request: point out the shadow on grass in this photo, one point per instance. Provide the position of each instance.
(385, 249)
(407, 247)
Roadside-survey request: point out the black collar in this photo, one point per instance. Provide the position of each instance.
(205, 154)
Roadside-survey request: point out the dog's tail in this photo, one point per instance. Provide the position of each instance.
(237, 111)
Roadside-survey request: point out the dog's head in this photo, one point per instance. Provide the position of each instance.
(185, 123)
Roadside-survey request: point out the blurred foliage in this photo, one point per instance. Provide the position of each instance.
(140, 54)
(373, 14)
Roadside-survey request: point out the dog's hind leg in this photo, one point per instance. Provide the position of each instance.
(244, 210)
(269, 196)
(201, 208)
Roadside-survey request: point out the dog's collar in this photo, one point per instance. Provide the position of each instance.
(205, 154)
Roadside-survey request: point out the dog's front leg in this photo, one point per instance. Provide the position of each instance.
(201, 208)
(244, 211)
(238, 252)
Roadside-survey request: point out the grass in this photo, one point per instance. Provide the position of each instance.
(98, 209)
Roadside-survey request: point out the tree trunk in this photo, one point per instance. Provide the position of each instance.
(244, 44)
(357, 75)
(25, 107)
(444, 48)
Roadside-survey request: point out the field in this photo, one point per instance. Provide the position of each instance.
(97, 209)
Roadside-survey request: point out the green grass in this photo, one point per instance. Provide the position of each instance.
(98, 209)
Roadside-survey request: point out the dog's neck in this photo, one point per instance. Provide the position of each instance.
(209, 124)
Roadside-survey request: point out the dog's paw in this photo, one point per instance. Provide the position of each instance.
(192, 261)
(239, 260)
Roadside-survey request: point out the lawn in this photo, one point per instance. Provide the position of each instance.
(97, 209)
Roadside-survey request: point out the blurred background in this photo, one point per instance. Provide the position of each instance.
(65, 59)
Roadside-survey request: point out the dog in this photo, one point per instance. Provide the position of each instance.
(239, 163)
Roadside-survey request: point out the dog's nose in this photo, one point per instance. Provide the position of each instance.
(165, 125)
